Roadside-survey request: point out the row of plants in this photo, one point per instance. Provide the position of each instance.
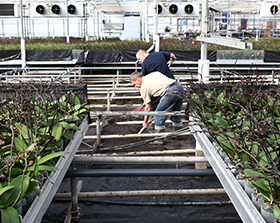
(35, 126)
(244, 120)
(56, 43)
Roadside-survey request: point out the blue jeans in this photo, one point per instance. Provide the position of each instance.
(171, 101)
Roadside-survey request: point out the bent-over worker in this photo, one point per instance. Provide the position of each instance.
(170, 91)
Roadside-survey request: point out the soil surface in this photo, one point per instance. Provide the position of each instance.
(154, 209)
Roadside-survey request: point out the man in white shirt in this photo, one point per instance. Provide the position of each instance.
(170, 91)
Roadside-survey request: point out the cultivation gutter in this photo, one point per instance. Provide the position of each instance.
(243, 205)
(40, 205)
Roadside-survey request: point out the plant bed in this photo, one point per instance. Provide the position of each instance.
(243, 119)
(36, 124)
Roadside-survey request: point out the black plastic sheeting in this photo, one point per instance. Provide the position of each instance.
(100, 56)
(103, 56)
(130, 209)
(37, 55)
(128, 55)
(271, 56)
(193, 55)
(6, 55)
(108, 56)
(49, 55)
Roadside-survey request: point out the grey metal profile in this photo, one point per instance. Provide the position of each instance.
(139, 172)
(139, 160)
(243, 205)
(40, 205)
(225, 41)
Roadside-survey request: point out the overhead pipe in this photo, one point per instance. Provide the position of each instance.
(139, 160)
(139, 172)
(144, 193)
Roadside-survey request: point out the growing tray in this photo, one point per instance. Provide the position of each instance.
(242, 203)
(40, 204)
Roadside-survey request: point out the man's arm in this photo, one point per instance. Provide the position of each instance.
(146, 117)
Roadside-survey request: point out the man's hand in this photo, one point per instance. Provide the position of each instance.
(146, 117)
(145, 124)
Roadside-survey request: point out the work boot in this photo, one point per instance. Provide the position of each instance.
(158, 141)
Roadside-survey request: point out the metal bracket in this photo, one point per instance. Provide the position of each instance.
(226, 41)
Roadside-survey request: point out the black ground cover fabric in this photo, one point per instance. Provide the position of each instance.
(6, 55)
(48, 55)
(102, 56)
(271, 56)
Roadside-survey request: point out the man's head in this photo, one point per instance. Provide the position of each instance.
(141, 55)
(136, 79)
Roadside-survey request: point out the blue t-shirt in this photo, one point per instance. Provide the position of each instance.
(157, 61)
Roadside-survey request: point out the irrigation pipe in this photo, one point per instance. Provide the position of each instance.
(139, 172)
(144, 193)
(139, 160)
(172, 203)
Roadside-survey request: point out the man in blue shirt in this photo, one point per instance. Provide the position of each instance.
(156, 61)
(152, 62)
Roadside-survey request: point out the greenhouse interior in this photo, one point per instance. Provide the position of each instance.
(137, 111)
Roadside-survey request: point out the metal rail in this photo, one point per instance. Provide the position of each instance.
(144, 193)
(139, 160)
(243, 205)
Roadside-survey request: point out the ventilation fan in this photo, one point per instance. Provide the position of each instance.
(55, 9)
(274, 9)
(159, 9)
(173, 9)
(40, 9)
(71, 9)
(189, 9)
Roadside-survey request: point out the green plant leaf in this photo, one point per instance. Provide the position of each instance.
(260, 184)
(81, 111)
(20, 184)
(4, 189)
(9, 215)
(223, 122)
(276, 212)
(42, 167)
(36, 169)
(50, 156)
(19, 144)
(65, 125)
(24, 131)
(34, 186)
(75, 98)
(68, 135)
(57, 131)
(16, 171)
